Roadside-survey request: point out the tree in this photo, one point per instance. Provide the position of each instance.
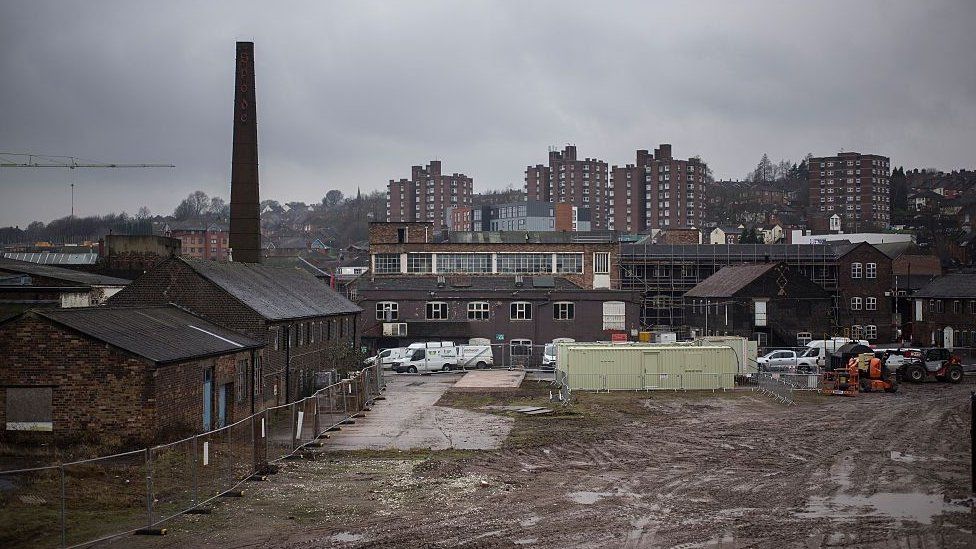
(332, 198)
(764, 170)
(193, 206)
(219, 208)
(143, 214)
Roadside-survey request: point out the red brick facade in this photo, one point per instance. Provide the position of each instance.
(99, 390)
(855, 186)
(864, 283)
(582, 183)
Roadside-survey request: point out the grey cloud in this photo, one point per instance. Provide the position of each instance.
(351, 94)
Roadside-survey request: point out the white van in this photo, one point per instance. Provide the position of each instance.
(475, 356)
(430, 359)
(820, 348)
(388, 356)
(549, 352)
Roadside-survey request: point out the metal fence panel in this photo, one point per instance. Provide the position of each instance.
(105, 496)
(174, 478)
(30, 507)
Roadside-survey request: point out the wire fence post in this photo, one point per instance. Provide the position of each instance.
(294, 423)
(149, 490)
(63, 533)
(193, 473)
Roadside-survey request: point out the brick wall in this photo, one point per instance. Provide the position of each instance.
(864, 287)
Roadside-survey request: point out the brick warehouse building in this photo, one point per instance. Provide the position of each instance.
(567, 179)
(657, 191)
(511, 287)
(136, 373)
(852, 185)
(25, 285)
(298, 317)
(427, 195)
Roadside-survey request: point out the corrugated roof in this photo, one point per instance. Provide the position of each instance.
(530, 237)
(50, 271)
(49, 258)
(276, 293)
(961, 285)
(160, 334)
(729, 280)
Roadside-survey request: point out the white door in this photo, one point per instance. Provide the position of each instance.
(947, 337)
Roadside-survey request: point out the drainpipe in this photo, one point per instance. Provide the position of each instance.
(254, 377)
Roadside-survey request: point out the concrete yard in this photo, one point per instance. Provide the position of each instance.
(619, 470)
(408, 420)
(491, 379)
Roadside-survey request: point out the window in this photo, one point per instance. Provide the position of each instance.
(939, 306)
(240, 386)
(802, 338)
(856, 303)
(386, 263)
(478, 310)
(275, 333)
(418, 263)
(601, 263)
(387, 310)
(563, 310)
(463, 263)
(870, 304)
(870, 270)
(521, 347)
(524, 263)
(957, 306)
(614, 315)
(29, 408)
(436, 310)
(569, 263)
(857, 332)
(870, 332)
(520, 310)
(856, 270)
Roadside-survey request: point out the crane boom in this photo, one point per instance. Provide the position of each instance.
(70, 162)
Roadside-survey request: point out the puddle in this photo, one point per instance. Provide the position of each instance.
(587, 498)
(916, 507)
(347, 537)
(527, 541)
(529, 521)
(904, 458)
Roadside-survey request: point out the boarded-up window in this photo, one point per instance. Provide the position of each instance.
(760, 313)
(614, 315)
(29, 409)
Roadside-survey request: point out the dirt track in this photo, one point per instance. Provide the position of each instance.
(635, 470)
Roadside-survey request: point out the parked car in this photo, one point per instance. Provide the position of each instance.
(549, 352)
(431, 359)
(785, 360)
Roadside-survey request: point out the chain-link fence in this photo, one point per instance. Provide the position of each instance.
(85, 501)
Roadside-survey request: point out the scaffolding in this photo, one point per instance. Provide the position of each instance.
(663, 273)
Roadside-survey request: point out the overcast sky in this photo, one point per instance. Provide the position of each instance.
(351, 94)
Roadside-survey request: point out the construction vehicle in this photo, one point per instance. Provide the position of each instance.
(864, 371)
(918, 365)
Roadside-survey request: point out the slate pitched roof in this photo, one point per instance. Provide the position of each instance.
(50, 271)
(275, 293)
(961, 285)
(729, 280)
(161, 334)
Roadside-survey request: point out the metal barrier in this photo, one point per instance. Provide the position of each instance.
(82, 502)
(772, 385)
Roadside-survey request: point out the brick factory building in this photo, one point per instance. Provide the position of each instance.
(567, 179)
(139, 374)
(427, 195)
(854, 186)
(511, 287)
(298, 317)
(945, 311)
(657, 191)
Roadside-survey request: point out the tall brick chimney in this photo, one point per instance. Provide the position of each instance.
(245, 199)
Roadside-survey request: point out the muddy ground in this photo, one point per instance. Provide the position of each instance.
(634, 470)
